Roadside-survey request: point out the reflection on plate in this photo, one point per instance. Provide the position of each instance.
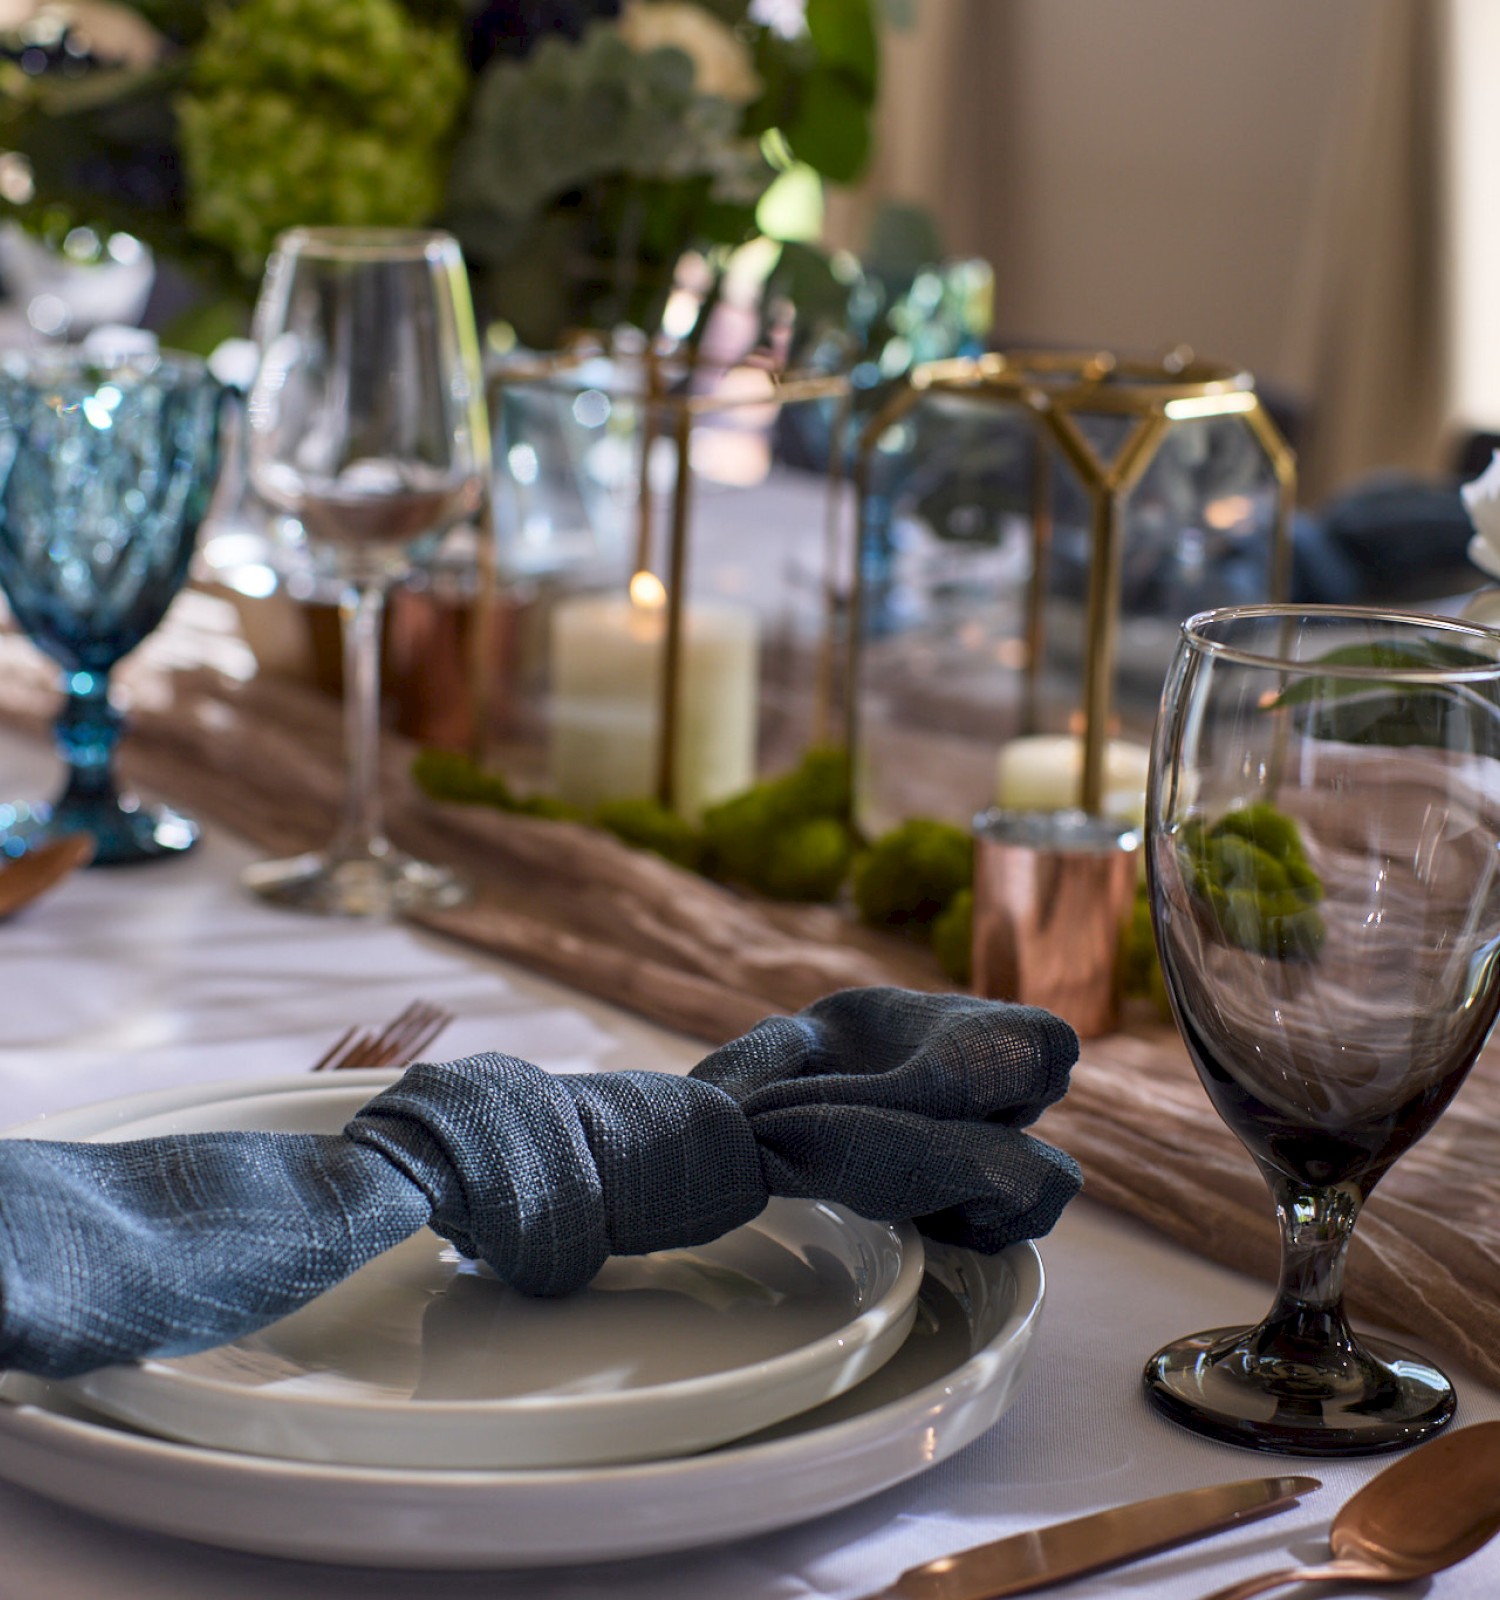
(424, 1359)
(952, 1379)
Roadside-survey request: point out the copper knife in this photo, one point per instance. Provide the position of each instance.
(1064, 1550)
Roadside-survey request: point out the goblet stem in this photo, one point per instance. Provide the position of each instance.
(87, 730)
(1316, 1227)
(361, 831)
(1300, 1381)
(361, 874)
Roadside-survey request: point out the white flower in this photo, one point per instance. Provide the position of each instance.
(1482, 502)
(721, 63)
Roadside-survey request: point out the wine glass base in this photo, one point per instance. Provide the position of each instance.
(1229, 1383)
(378, 885)
(125, 831)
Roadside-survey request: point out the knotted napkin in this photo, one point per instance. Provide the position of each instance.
(895, 1104)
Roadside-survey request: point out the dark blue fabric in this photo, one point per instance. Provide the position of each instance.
(896, 1104)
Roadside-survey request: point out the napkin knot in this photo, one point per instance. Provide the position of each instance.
(896, 1104)
(544, 1177)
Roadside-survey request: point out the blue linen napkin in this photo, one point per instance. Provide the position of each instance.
(896, 1104)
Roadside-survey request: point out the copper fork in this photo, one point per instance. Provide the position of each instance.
(402, 1039)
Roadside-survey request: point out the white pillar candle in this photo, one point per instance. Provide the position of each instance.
(1044, 772)
(607, 655)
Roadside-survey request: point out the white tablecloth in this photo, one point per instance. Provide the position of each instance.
(132, 980)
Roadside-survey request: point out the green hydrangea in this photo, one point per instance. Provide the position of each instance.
(911, 874)
(305, 112)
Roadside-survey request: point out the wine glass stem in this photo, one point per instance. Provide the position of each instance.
(1316, 1227)
(361, 832)
(87, 729)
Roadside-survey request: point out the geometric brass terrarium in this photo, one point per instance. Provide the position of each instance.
(642, 495)
(1093, 503)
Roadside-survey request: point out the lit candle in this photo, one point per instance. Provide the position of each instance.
(1044, 772)
(607, 656)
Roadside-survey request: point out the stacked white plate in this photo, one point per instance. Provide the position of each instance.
(422, 1414)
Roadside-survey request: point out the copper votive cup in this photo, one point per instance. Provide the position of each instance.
(1053, 895)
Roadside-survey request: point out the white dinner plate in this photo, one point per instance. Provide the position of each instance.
(953, 1378)
(425, 1359)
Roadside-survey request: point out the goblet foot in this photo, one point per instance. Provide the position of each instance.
(379, 884)
(1238, 1385)
(125, 830)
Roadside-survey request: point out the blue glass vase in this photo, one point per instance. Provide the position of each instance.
(106, 468)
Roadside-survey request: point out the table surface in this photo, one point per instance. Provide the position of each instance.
(122, 982)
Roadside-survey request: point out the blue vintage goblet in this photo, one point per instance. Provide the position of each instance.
(106, 467)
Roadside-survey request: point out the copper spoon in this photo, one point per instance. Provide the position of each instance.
(42, 868)
(1429, 1511)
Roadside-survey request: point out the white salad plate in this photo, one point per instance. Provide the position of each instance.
(955, 1375)
(423, 1358)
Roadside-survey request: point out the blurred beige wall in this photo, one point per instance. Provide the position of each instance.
(1139, 172)
(1255, 178)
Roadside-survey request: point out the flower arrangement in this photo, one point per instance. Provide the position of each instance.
(577, 147)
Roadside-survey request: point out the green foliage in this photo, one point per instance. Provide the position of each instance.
(549, 808)
(182, 21)
(843, 33)
(1252, 882)
(909, 875)
(447, 775)
(819, 87)
(807, 861)
(817, 787)
(953, 937)
(108, 121)
(576, 177)
(788, 838)
(584, 172)
(572, 113)
(649, 825)
(302, 112)
(1363, 707)
(587, 169)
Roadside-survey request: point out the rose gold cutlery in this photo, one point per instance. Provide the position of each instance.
(1064, 1550)
(1429, 1511)
(402, 1039)
(42, 868)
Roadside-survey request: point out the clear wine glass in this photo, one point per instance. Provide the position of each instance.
(1324, 860)
(367, 425)
(107, 463)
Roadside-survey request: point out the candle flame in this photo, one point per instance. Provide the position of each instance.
(648, 591)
